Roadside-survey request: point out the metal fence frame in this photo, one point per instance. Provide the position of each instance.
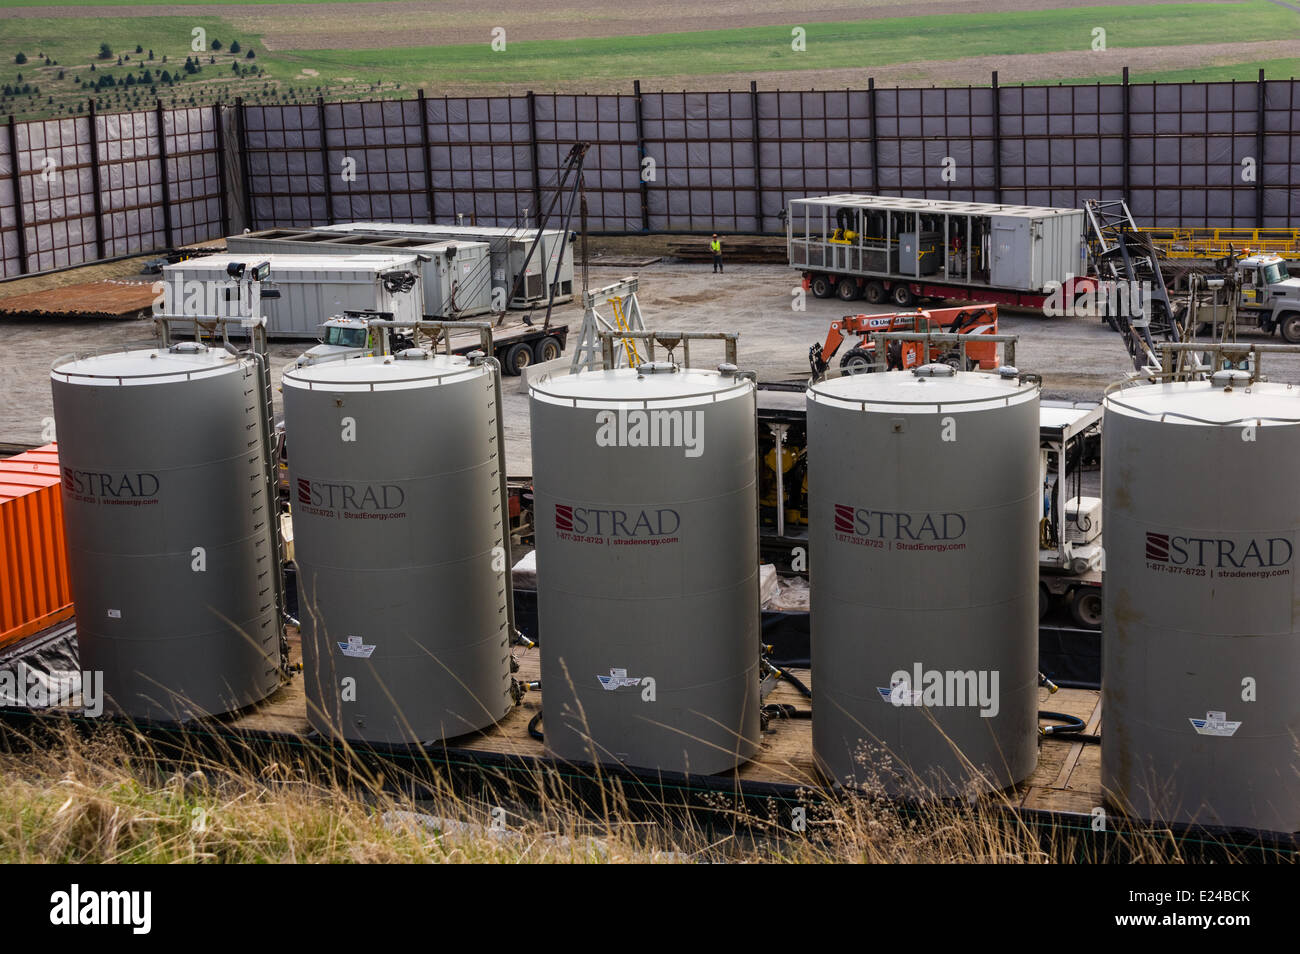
(98, 186)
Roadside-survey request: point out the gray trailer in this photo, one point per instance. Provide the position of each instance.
(891, 248)
(522, 285)
(457, 274)
(307, 289)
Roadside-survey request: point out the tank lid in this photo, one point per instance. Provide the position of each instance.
(925, 390)
(1211, 403)
(146, 366)
(1231, 378)
(188, 347)
(936, 369)
(638, 385)
(413, 367)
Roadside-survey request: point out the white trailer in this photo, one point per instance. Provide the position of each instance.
(457, 274)
(887, 247)
(524, 286)
(299, 293)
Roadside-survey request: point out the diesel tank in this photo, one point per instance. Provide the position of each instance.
(1200, 638)
(169, 534)
(647, 566)
(923, 529)
(396, 488)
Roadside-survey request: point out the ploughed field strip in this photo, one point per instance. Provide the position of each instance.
(103, 299)
(1067, 779)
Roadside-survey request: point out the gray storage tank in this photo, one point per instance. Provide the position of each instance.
(1201, 643)
(168, 529)
(923, 531)
(396, 489)
(647, 566)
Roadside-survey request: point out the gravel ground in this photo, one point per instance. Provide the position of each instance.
(1077, 357)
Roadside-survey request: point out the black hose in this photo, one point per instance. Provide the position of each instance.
(533, 723)
(774, 710)
(795, 681)
(1073, 727)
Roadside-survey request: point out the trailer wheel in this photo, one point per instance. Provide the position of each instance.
(548, 349)
(857, 361)
(518, 357)
(1085, 606)
(1044, 600)
(847, 289)
(1290, 326)
(821, 286)
(902, 296)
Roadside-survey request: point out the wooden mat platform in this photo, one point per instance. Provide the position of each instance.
(1068, 777)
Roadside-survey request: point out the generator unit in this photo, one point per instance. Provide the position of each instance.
(306, 289)
(457, 274)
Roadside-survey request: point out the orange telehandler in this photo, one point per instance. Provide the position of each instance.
(900, 355)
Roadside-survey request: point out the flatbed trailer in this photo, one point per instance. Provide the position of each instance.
(517, 345)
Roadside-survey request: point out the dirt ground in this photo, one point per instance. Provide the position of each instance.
(1077, 357)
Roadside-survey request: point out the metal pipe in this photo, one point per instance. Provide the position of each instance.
(446, 328)
(670, 340)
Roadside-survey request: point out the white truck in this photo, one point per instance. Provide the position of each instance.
(515, 344)
(1268, 294)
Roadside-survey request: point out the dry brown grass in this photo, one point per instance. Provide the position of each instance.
(108, 798)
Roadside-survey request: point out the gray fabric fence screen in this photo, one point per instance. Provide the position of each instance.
(1184, 154)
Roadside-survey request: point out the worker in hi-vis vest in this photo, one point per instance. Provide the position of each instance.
(716, 248)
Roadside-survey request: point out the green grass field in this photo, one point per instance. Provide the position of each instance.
(687, 59)
(829, 45)
(1273, 69)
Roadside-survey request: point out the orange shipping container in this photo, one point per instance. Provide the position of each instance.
(35, 590)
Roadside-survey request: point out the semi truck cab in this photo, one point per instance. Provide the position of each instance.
(1270, 294)
(341, 335)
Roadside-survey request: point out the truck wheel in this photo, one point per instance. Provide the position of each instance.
(1044, 600)
(874, 293)
(1085, 606)
(821, 286)
(1290, 327)
(902, 296)
(847, 289)
(518, 357)
(548, 349)
(857, 361)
